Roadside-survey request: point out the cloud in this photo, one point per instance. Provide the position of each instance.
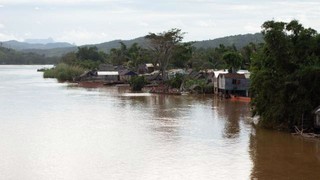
(2, 26)
(81, 36)
(1, 6)
(145, 24)
(252, 28)
(93, 21)
(57, 2)
(7, 37)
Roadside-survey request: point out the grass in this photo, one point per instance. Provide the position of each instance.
(64, 72)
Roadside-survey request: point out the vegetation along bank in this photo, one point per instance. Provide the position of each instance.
(281, 75)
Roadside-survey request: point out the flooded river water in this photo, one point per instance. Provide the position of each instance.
(51, 130)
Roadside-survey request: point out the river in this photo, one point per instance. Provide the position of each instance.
(51, 130)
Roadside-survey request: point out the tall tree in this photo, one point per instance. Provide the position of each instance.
(90, 53)
(233, 61)
(181, 55)
(137, 55)
(162, 46)
(286, 74)
(119, 56)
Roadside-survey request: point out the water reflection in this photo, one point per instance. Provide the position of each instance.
(232, 113)
(279, 155)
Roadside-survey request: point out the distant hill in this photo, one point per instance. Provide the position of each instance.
(39, 41)
(56, 49)
(51, 52)
(238, 40)
(25, 45)
(105, 47)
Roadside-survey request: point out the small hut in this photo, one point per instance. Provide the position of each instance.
(125, 75)
(111, 76)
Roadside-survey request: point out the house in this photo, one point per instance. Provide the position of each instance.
(125, 75)
(109, 76)
(233, 83)
(146, 68)
(150, 67)
(215, 79)
(316, 113)
(173, 72)
(86, 76)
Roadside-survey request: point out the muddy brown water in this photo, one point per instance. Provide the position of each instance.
(51, 130)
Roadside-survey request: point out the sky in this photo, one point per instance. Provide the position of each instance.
(96, 21)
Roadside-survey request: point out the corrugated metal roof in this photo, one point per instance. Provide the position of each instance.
(149, 65)
(107, 73)
(217, 73)
(245, 72)
(126, 72)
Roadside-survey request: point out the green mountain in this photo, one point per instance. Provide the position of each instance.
(238, 40)
(105, 47)
(25, 45)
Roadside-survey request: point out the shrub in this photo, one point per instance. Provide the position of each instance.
(176, 81)
(137, 83)
(64, 72)
(201, 83)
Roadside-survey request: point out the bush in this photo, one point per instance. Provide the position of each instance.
(64, 72)
(87, 64)
(176, 81)
(137, 83)
(201, 83)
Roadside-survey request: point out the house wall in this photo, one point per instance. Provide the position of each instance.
(317, 121)
(239, 84)
(150, 69)
(109, 77)
(215, 85)
(230, 85)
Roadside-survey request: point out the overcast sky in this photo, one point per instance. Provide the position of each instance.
(95, 21)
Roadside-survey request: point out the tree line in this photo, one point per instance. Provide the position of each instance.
(10, 56)
(165, 50)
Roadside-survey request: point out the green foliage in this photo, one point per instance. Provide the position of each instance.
(285, 75)
(87, 58)
(162, 46)
(87, 64)
(201, 83)
(119, 56)
(131, 57)
(239, 41)
(10, 56)
(137, 83)
(69, 58)
(90, 53)
(233, 61)
(176, 81)
(181, 55)
(64, 72)
(211, 58)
